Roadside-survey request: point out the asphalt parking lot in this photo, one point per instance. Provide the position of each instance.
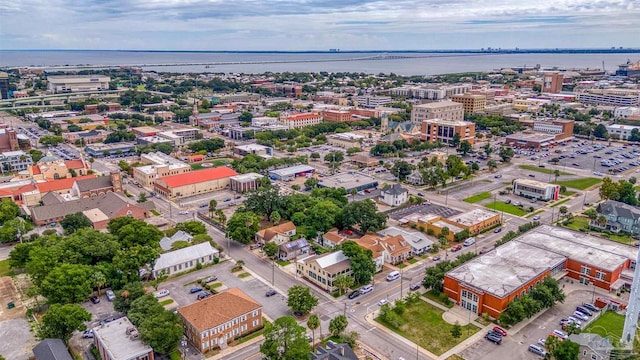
(17, 340)
(514, 346)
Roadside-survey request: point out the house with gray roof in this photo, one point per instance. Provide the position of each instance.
(592, 346)
(418, 241)
(394, 195)
(334, 351)
(620, 217)
(322, 269)
(167, 242)
(185, 259)
(292, 249)
(51, 349)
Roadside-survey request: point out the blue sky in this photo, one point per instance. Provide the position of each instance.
(317, 24)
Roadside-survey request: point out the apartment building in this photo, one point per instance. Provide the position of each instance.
(322, 269)
(471, 103)
(162, 165)
(445, 130)
(13, 161)
(336, 115)
(443, 110)
(214, 322)
(296, 120)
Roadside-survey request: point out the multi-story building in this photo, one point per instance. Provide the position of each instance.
(562, 129)
(372, 101)
(445, 130)
(443, 110)
(66, 84)
(245, 182)
(620, 217)
(471, 103)
(552, 83)
(474, 222)
(194, 182)
(345, 140)
(181, 136)
(85, 137)
(214, 322)
(625, 111)
(295, 120)
(610, 97)
(536, 189)
(13, 161)
(102, 150)
(622, 132)
(322, 269)
(394, 195)
(4, 85)
(8, 138)
(331, 115)
(52, 168)
(120, 340)
(488, 283)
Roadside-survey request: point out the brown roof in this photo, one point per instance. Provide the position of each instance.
(371, 242)
(333, 236)
(218, 309)
(396, 245)
(269, 233)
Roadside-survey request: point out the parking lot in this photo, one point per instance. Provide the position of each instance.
(515, 346)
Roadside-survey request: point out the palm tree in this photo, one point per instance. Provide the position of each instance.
(222, 218)
(343, 282)
(353, 193)
(98, 280)
(313, 323)
(212, 207)
(556, 173)
(601, 220)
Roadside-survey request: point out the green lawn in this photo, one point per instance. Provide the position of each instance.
(422, 323)
(609, 325)
(567, 193)
(542, 170)
(580, 184)
(166, 302)
(508, 208)
(436, 297)
(4, 268)
(537, 212)
(477, 197)
(214, 163)
(243, 275)
(412, 261)
(578, 222)
(581, 222)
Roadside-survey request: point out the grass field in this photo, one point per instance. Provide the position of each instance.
(608, 325)
(542, 170)
(214, 163)
(508, 208)
(4, 268)
(579, 184)
(243, 275)
(578, 222)
(581, 222)
(477, 197)
(422, 323)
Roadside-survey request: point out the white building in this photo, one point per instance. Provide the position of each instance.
(418, 241)
(394, 195)
(548, 127)
(623, 132)
(372, 101)
(12, 161)
(185, 259)
(625, 111)
(536, 189)
(66, 84)
(120, 340)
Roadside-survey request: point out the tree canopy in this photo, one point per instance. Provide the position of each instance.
(243, 226)
(73, 222)
(300, 299)
(60, 321)
(365, 215)
(284, 339)
(362, 266)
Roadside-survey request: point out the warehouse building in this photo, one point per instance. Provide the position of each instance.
(349, 181)
(291, 172)
(194, 182)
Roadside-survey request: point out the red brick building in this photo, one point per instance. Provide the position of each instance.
(488, 283)
(216, 321)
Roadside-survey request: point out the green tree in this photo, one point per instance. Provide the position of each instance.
(364, 214)
(315, 156)
(212, 207)
(51, 140)
(338, 324)
(129, 293)
(506, 153)
(456, 330)
(343, 282)
(61, 321)
(264, 200)
(488, 150)
(353, 150)
(162, 331)
(275, 217)
(68, 283)
(455, 141)
(313, 323)
(567, 350)
(300, 299)
(401, 169)
(142, 197)
(192, 227)
(362, 266)
(551, 343)
(563, 210)
(243, 226)
(8, 210)
(284, 339)
(600, 132)
(322, 216)
(492, 165)
(311, 183)
(131, 232)
(465, 147)
(334, 157)
(73, 222)
(270, 249)
(98, 280)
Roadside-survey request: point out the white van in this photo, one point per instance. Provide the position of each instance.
(469, 242)
(537, 350)
(365, 289)
(393, 275)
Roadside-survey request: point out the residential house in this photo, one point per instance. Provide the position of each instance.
(415, 178)
(418, 241)
(167, 242)
(51, 349)
(98, 209)
(386, 249)
(394, 195)
(372, 242)
(278, 234)
(322, 269)
(185, 259)
(120, 340)
(620, 217)
(291, 250)
(217, 320)
(334, 237)
(334, 351)
(592, 346)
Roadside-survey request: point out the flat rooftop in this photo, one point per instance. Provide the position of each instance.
(293, 170)
(247, 177)
(534, 183)
(438, 105)
(506, 268)
(588, 249)
(117, 343)
(530, 136)
(473, 217)
(348, 181)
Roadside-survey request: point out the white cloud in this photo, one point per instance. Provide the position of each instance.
(316, 24)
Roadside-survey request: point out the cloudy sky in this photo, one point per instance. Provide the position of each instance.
(317, 24)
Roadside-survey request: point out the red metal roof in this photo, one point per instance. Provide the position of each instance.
(61, 184)
(199, 176)
(74, 164)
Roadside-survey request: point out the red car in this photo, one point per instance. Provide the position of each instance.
(456, 248)
(500, 330)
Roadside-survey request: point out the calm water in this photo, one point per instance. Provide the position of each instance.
(434, 64)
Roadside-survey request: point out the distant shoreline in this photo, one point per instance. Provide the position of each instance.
(454, 51)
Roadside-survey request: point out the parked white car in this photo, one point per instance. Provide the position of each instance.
(161, 293)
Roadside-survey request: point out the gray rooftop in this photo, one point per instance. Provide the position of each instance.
(114, 339)
(416, 239)
(334, 351)
(292, 170)
(167, 242)
(183, 255)
(109, 204)
(348, 181)
(51, 349)
(506, 268)
(588, 249)
(394, 190)
(100, 182)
